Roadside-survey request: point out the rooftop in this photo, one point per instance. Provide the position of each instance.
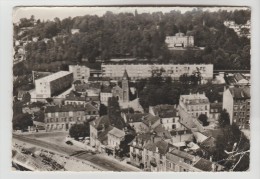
(117, 132)
(165, 110)
(54, 76)
(204, 165)
(64, 108)
(182, 154)
(137, 117)
(162, 146)
(240, 92)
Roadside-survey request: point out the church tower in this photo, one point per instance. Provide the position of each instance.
(125, 87)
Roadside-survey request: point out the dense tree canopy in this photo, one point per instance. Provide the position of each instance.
(224, 119)
(139, 36)
(79, 130)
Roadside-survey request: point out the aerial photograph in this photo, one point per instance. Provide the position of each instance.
(131, 88)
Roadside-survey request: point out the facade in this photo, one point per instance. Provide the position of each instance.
(179, 40)
(195, 104)
(115, 136)
(191, 106)
(53, 84)
(105, 94)
(136, 121)
(180, 161)
(236, 101)
(80, 72)
(61, 118)
(215, 110)
(169, 116)
(139, 71)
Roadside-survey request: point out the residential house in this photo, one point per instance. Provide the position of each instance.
(179, 40)
(236, 101)
(168, 114)
(215, 110)
(105, 94)
(80, 72)
(115, 137)
(180, 161)
(61, 118)
(136, 121)
(191, 106)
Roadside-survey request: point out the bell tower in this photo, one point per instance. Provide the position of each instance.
(125, 87)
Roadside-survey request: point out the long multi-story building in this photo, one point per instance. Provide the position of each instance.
(179, 40)
(140, 71)
(62, 117)
(52, 85)
(80, 72)
(236, 101)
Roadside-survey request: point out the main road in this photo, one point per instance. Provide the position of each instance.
(103, 162)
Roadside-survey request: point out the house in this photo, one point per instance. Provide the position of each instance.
(79, 72)
(215, 110)
(237, 79)
(75, 98)
(191, 106)
(136, 121)
(168, 114)
(99, 129)
(179, 40)
(154, 155)
(61, 118)
(115, 137)
(236, 101)
(137, 149)
(181, 161)
(74, 31)
(105, 94)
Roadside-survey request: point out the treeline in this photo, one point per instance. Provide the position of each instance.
(139, 36)
(155, 91)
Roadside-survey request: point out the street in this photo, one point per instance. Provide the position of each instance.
(109, 165)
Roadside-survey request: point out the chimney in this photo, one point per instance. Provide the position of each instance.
(157, 149)
(210, 158)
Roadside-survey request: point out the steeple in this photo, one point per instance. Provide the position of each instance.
(125, 76)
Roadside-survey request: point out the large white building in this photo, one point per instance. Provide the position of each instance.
(179, 40)
(53, 84)
(139, 71)
(79, 72)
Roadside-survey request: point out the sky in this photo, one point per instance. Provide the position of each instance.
(49, 13)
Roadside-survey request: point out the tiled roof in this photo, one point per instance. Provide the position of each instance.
(102, 136)
(64, 108)
(239, 76)
(162, 146)
(150, 119)
(204, 165)
(100, 122)
(137, 117)
(165, 110)
(105, 89)
(84, 87)
(117, 132)
(240, 92)
(73, 96)
(183, 154)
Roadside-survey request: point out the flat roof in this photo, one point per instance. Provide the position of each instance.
(54, 76)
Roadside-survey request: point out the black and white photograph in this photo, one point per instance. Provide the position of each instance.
(131, 88)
